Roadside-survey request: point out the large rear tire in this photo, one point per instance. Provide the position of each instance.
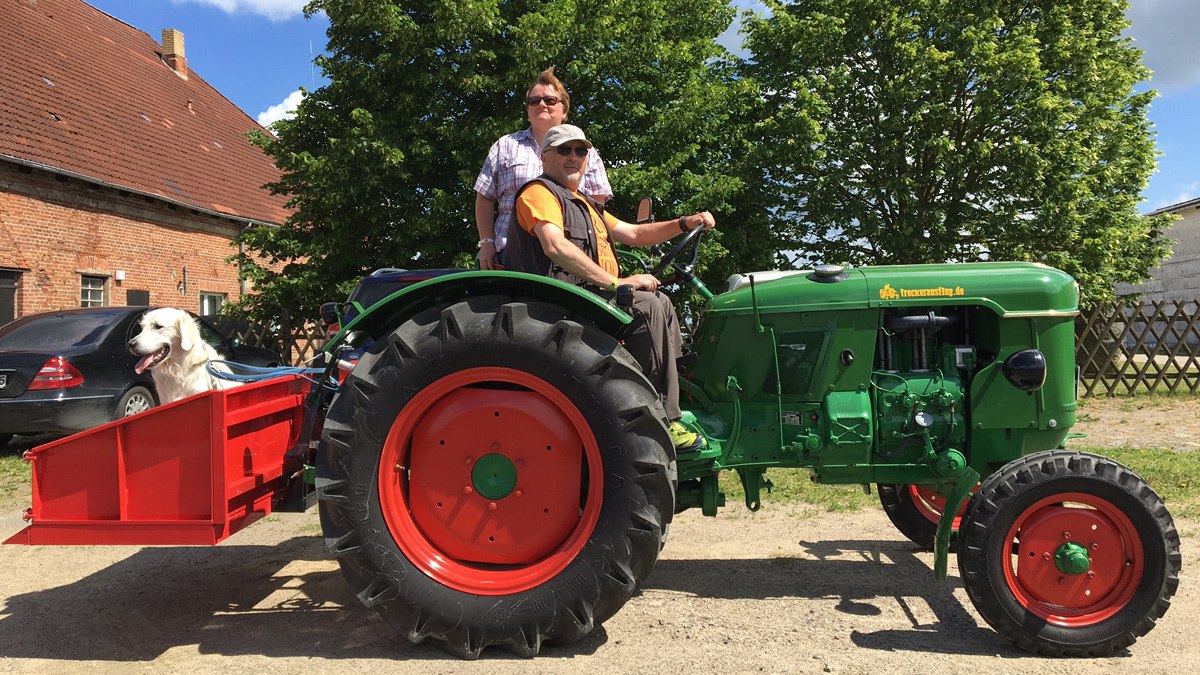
(496, 475)
(1069, 554)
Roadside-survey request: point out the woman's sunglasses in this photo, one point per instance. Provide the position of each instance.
(580, 151)
(550, 101)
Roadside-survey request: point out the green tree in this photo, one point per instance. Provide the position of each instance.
(380, 162)
(922, 131)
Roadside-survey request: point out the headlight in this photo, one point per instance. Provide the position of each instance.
(1026, 370)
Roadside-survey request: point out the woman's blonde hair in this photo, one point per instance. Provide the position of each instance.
(547, 78)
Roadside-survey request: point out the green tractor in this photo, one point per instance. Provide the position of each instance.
(496, 470)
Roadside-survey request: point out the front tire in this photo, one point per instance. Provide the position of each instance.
(915, 510)
(496, 475)
(1069, 554)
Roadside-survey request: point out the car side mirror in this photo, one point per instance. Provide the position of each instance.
(329, 313)
(645, 212)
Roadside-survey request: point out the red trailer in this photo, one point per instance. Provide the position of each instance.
(190, 472)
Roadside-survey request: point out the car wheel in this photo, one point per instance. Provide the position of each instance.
(136, 400)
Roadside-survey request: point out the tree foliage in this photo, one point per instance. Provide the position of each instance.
(381, 161)
(855, 132)
(918, 131)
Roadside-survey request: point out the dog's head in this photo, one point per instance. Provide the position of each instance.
(163, 331)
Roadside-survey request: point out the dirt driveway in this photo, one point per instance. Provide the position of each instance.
(782, 591)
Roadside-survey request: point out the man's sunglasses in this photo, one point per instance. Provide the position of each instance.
(550, 101)
(580, 151)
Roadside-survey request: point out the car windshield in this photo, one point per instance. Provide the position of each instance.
(56, 331)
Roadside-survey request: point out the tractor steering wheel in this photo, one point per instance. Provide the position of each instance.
(690, 245)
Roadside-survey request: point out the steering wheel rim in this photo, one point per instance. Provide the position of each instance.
(691, 240)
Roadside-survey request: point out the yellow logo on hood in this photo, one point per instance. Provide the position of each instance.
(889, 293)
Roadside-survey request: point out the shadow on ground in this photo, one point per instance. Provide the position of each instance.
(289, 600)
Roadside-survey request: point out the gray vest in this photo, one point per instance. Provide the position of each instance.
(524, 252)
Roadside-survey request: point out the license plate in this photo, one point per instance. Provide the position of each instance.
(3, 380)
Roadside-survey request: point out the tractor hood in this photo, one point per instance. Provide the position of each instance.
(1010, 289)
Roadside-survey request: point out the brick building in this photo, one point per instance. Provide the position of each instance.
(124, 176)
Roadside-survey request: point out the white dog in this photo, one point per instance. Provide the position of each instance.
(170, 346)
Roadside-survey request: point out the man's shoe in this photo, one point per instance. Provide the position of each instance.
(685, 439)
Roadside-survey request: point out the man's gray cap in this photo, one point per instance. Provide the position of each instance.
(563, 133)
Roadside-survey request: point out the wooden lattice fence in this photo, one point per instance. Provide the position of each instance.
(297, 344)
(1130, 348)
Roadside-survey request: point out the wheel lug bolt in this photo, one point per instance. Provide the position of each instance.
(1091, 574)
(467, 490)
(492, 506)
(1066, 535)
(1045, 556)
(1095, 546)
(516, 493)
(469, 459)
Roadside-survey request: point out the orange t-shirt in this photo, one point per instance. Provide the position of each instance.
(538, 204)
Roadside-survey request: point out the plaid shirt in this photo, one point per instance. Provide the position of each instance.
(516, 159)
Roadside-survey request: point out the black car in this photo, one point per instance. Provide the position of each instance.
(70, 370)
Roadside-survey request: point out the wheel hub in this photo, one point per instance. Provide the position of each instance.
(494, 476)
(1071, 558)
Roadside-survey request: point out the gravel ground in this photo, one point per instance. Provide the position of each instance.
(786, 590)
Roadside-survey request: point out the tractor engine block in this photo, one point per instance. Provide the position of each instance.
(919, 385)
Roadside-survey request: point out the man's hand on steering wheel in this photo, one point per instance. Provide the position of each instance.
(695, 225)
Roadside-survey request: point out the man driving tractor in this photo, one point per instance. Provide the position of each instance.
(570, 237)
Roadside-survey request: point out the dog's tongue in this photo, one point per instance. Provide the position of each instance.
(145, 362)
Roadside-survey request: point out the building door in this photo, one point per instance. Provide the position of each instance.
(8, 295)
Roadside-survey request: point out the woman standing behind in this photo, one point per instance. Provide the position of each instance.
(516, 159)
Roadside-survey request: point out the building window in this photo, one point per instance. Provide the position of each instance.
(210, 303)
(10, 281)
(91, 291)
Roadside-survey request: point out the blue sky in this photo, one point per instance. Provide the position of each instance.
(258, 54)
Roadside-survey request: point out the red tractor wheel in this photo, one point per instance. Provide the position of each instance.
(495, 475)
(915, 510)
(1069, 554)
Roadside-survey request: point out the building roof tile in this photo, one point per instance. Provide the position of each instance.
(87, 94)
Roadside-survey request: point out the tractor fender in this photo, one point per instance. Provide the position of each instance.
(579, 304)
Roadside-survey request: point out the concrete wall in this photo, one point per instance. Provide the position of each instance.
(1178, 278)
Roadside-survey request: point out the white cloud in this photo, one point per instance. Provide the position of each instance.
(275, 10)
(283, 110)
(1188, 193)
(1165, 31)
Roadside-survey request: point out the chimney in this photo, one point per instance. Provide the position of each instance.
(172, 51)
